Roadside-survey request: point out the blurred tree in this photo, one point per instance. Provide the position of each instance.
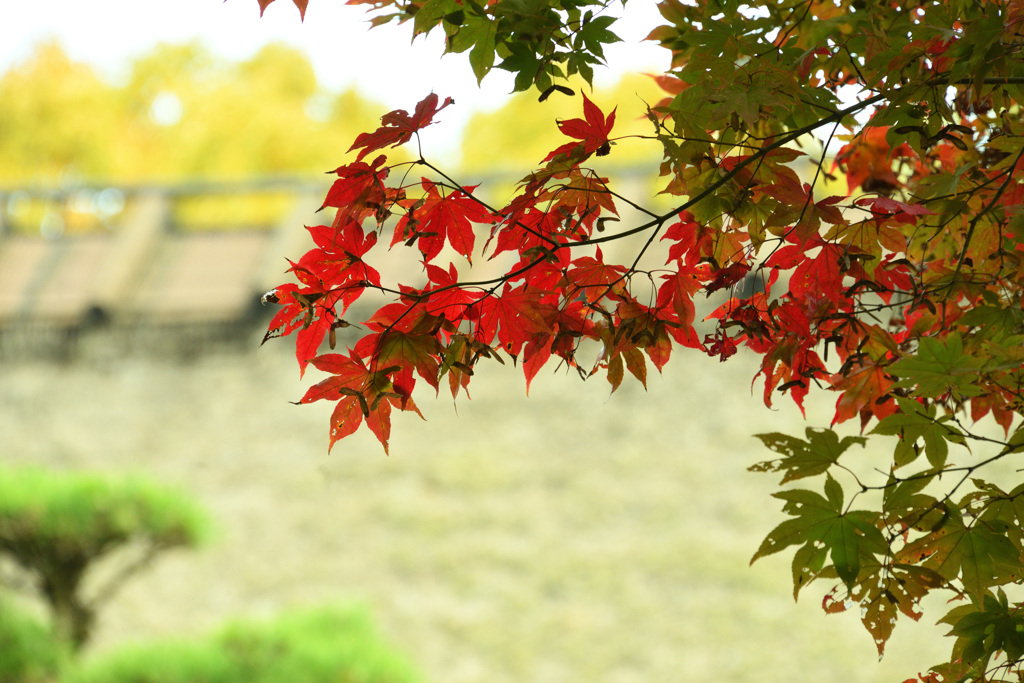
(521, 132)
(57, 118)
(182, 112)
(57, 527)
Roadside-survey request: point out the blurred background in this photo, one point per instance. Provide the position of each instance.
(152, 182)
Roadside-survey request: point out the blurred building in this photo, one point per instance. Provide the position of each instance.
(115, 270)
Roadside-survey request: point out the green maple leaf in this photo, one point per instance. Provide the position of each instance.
(939, 367)
(481, 57)
(596, 34)
(523, 62)
(985, 627)
(1004, 508)
(915, 422)
(804, 458)
(980, 555)
(820, 523)
(430, 13)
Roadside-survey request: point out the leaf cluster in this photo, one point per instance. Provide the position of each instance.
(901, 295)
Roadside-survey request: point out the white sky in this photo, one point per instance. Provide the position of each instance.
(381, 63)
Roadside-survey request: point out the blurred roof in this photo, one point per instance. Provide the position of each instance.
(126, 257)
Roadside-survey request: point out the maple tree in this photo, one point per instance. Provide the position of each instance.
(900, 293)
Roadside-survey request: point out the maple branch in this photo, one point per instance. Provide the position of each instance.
(111, 586)
(814, 181)
(779, 41)
(608, 191)
(974, 221)
(482, 203)
(968, 470)
(657, 222)
(708, 141)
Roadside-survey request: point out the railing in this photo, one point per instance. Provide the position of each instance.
(136, 259)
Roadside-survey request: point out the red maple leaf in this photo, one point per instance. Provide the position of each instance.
(307, 307)
(338, 258)
(821, 276)
(727, 277)
(998, 404)
(691, 240)
(900, 212)
(675, 303)
(311, 336)
(359, 191)
(295, 312)
(670, 83)
(592, 131)
(448, 300)
(405, 337)
(720, 345)
(808, 61)
(581, 199)
(535, 355)
(361, 393)
(398, 126)
(524, 231)
(568, 324)
(406, 351)
(865, 388)
(438, 217)
(640, 327)
(591, 278)
(514, 317)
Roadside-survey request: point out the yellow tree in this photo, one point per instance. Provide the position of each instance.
(181, 113)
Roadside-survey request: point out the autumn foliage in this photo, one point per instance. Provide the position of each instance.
(900, 292)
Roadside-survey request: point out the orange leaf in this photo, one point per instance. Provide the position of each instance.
(867, 161)
(301, 4)
(865, 392)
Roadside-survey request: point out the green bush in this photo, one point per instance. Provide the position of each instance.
(57, 525)
(325, 645)
(165, 662)
(85, 513)
(29, 652)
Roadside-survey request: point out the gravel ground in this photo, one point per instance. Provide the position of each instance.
(563, 538)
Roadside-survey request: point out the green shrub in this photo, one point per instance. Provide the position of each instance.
(57, 525)
(325, 645)
(85, 513)
(170, 661)
(29, 652)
